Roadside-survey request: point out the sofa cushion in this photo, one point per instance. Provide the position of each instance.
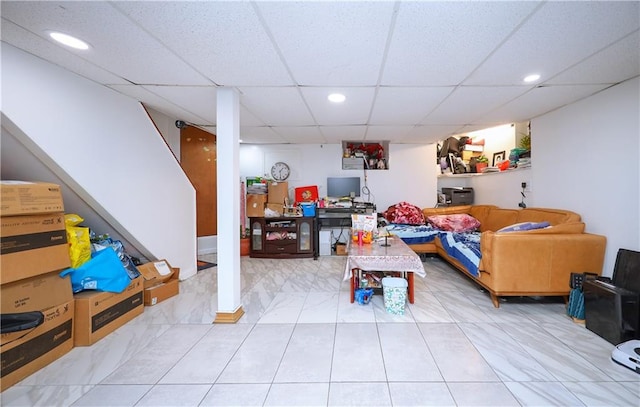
(524, 226)
(563, 228)
(553, 216)
(456, 222)
(499, 218)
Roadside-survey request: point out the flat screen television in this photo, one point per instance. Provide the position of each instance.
(341, 187)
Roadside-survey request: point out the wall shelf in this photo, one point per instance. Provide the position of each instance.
(370, 155)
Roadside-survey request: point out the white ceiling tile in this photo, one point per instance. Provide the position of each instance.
(66, 58)
(393, 134)
(427, 134)
(534, 102)
(301, 134)
(395, 105)
(276, 106)
(260, 135)
(260, 47)
(599, 69)
(467, 104)
(440, 43)
(336, 134)
(330, 43)
(354, 110)
(109, 47)
(199, 100)
(557, 36)
(224, 39)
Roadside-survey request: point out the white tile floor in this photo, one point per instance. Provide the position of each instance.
(302, 343)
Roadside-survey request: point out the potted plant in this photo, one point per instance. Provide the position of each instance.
(245, 243)
(481, 163)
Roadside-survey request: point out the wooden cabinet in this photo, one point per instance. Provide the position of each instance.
(282, 237)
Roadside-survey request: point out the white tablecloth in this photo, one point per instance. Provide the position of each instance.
(375, 257)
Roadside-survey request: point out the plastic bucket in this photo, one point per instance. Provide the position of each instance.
(394, 290)
(308, 209)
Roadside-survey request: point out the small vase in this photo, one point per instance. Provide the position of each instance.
(480, 167)
(245, 246)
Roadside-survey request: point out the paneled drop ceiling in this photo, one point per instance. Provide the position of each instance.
(412, 72)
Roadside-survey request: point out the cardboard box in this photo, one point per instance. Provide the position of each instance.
(156, 272)
(29, 198)
(32, 245)
(256, 204)
(35, 293)
(25, 352)
(97, 313)
(278, 192)
(341, 249)
(278, 208)
(158, 293)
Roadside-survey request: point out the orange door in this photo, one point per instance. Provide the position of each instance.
(198, 160)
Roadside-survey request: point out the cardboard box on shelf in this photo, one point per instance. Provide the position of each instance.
(158, 293)
(98, 313)
(278, 208)
(32, 245)
(35, 293)
(25, 352)
(256, 204)
(278, 192)
(29, 198)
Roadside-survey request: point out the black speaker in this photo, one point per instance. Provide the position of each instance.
(610, 311)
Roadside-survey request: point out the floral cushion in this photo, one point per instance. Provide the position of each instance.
(404, 213)
(524, 226)
(457, 222)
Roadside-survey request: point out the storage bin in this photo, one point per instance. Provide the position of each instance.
(394, 290)
(308, 209)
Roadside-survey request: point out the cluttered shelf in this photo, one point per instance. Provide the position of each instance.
(470, 174)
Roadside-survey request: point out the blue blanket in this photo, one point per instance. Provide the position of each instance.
(413, 234)
(464, 247)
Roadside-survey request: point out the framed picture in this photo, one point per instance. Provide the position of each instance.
(497, 158)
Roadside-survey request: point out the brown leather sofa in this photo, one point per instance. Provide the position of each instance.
(530, 263)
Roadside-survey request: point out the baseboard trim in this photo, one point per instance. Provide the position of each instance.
(229, 317)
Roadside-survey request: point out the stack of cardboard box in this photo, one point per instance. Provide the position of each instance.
(275, 199)
(278, 196)
(34, 251)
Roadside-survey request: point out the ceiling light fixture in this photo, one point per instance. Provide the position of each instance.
(336, 97)
(68, 40)
(531, 78)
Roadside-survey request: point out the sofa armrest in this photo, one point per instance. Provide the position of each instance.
(539, 262)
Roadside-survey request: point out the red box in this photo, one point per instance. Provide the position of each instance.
(307, 194)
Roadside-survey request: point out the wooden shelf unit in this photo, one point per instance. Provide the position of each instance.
(282, 237)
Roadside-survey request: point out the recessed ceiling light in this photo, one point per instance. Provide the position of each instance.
(336, 97)
(531, 78)
(68, 40)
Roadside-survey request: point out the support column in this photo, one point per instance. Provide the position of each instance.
(228, 156)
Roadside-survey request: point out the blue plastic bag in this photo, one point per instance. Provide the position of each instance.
(104, 272)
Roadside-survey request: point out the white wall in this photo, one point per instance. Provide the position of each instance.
(585, 158)
(105, 149)
(411, 175)
(167, 128)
